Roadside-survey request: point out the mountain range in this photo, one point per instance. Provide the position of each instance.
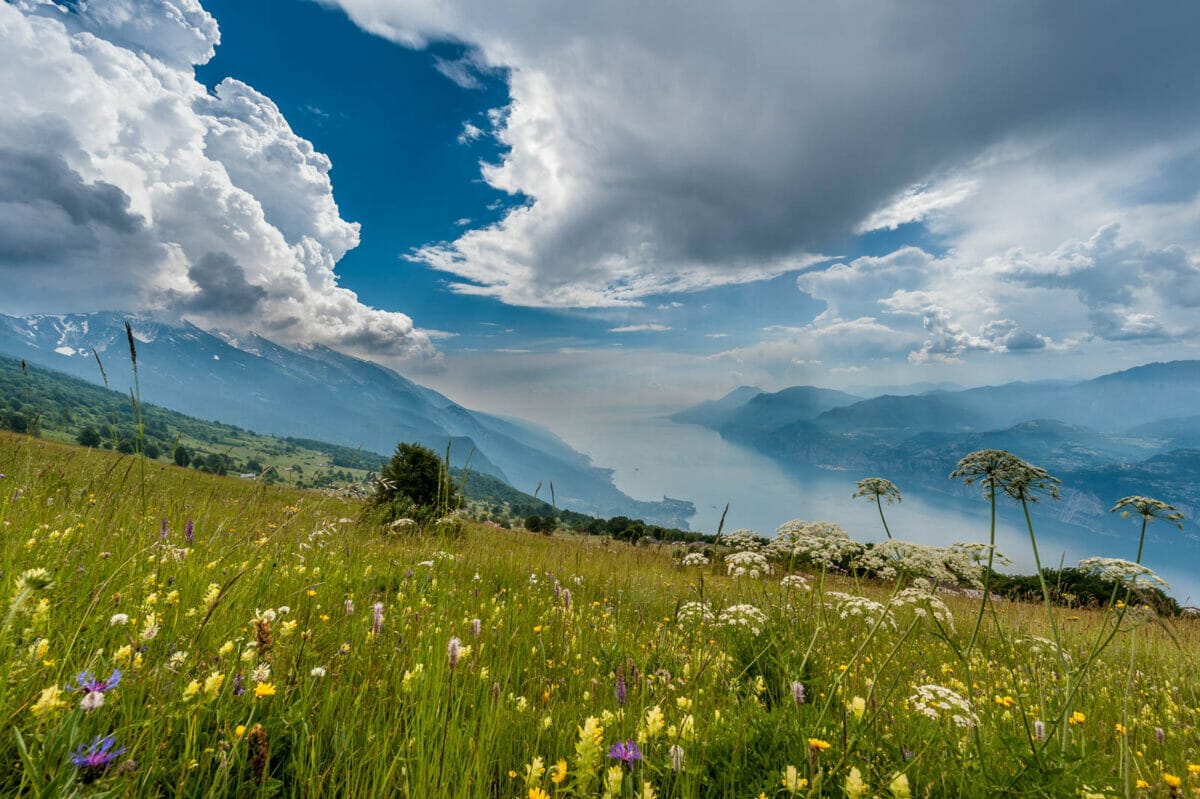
(319, 393)
(1129, 432)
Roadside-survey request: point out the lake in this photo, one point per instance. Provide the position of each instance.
(653, 457)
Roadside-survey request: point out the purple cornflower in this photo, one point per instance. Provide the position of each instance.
(189, 533)
(625, 751)
(619, 688)
(162, 531)
(798, 692)
(238, 685)
(93, 689)
(1159, 735)
(566, 598)
(96, 758)
(89, 684)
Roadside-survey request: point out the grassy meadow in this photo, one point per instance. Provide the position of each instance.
(173, 633)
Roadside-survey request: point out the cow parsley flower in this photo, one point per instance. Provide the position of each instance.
(937, 701)
(820, 543)
(849, 606)
(1124, 572)
(747, 564)
(746, 617)
(692, 614)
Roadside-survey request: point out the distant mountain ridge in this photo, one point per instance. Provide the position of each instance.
(1100, 436)
(316, 393)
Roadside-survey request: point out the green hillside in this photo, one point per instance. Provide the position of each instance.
(62, 408)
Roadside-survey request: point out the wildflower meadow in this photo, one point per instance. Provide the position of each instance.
(171, 633)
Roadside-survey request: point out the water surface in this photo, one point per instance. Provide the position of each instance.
(653, 457)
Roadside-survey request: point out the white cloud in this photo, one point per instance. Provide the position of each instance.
(660, 152)
(1125, 285)
(470, 133)
(160, 195)
(916, 203)
(461, 71)
(652, 327)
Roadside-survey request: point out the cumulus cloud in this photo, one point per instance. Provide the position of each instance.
(665, 152)
(123, 181)
(1124, 284)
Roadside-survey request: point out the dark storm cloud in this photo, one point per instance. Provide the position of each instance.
(668, 150)
(223, 289)
(47, 208)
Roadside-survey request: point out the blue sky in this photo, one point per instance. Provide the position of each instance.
(551, 209)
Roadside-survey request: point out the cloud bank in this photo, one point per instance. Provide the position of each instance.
(125, 184)
(659, 148)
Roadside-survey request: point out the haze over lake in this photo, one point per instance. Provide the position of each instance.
(653, 457)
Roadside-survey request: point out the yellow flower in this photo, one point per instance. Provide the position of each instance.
(559, 772)
(538, 793)
(817, 745)
(534, 771)
(49, 702)
(855, 787)
(899, 787)
(239, 730)
(213, 683)
(1171, 780)
(537, 629)
(1193, 768)
(652, 727)
(857, 706)
(1005, 701)
(612, 782)
(1120, 728)
(311, 592)
(793, 783)
(191, 690)
(264, 689)
(1077, 718)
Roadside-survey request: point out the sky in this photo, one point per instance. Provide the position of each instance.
(555, 210)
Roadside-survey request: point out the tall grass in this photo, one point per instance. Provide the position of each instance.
(252, 662)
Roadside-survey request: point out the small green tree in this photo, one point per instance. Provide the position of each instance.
(88, 437)
(415, 474)
(182, 457)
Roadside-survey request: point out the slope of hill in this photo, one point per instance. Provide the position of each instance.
(712, 413)
(316, 393)
(57, 407)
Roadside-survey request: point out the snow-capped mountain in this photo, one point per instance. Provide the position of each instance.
(313, 393)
